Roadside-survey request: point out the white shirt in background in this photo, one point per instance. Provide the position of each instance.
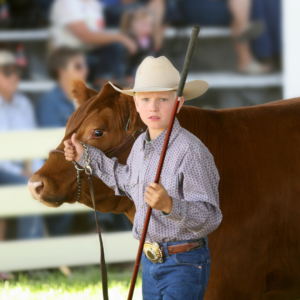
(17, 114)
(65, 12)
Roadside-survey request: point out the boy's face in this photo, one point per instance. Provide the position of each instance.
(155, 108)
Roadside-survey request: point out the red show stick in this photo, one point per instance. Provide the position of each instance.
(187, 62)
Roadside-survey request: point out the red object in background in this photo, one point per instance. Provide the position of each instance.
(21, 57)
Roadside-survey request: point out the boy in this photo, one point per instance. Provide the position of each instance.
(176, 258)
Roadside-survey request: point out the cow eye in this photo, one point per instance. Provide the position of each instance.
(98, 133)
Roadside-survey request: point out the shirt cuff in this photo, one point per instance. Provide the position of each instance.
(81, 161)
(176, 212)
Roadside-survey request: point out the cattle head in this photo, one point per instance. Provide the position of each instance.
(100, 121)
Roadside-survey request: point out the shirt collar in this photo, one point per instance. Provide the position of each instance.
(159, 140)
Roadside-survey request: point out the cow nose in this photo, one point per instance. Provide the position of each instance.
(35, 188)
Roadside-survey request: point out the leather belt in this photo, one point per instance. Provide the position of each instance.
(183, 247)
(155, 252)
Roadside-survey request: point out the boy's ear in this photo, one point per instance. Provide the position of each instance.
(180, 104)
(136, 103)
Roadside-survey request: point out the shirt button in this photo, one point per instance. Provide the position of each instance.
(141, 206)
(146, 158)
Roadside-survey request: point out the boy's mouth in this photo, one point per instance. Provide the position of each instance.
(154, 118)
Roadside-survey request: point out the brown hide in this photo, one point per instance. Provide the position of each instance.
(255, 252)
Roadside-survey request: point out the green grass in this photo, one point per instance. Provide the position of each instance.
(84, 283)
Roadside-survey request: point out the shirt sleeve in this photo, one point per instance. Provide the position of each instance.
(67, 12)
(115, 175)
(198, 205)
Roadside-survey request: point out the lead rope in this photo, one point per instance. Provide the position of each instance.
(89, 172)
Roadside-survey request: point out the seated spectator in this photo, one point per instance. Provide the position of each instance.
(268, 46)
(79, 24)
(243, 30)
(16, 113)
(237, 14)
(140, 25)
(55, 107)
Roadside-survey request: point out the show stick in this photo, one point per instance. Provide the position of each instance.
(187, 62)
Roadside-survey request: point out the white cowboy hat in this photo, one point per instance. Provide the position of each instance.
(159, 75)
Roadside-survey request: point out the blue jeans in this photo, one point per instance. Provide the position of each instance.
(181, 276)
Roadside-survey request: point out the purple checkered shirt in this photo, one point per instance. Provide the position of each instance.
(189, 175)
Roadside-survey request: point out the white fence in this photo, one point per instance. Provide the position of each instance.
(15, 201)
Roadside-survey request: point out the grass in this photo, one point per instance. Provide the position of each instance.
(84, 283)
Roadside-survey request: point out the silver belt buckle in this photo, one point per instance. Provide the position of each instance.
(153, 252)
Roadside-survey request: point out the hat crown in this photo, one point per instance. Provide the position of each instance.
(156, 72)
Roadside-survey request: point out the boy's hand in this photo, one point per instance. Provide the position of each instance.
(73, 152)
(157, 197)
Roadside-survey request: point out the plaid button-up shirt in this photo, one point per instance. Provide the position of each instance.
(189, 175)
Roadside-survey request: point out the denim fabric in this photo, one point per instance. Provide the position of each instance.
(110, 221)
(269, 43)
(54, 109)
(107, 62)
(205, 12)
(181, 276)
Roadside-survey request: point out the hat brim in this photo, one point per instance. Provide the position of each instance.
(192, 89)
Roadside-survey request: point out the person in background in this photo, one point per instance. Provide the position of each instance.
(268, 46)
(79, 24)
(140, 25)
(16, 113)
(54, 109)
(237, 15)
(243, 30)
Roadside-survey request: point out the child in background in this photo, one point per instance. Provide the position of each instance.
(140, 25)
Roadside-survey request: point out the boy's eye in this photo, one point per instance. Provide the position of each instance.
(146, 99)
(163, 99)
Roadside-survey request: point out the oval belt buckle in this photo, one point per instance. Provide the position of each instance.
(153, 252)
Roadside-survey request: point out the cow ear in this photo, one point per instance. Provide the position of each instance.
(81, 92)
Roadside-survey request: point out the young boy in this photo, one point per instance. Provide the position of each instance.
(176, 257)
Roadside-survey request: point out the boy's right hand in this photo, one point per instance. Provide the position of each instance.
(73, 152)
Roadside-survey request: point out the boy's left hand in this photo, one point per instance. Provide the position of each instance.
(157, 197)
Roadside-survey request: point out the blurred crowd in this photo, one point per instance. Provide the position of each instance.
(101, 40)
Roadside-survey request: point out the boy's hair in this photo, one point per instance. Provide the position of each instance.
(129, 15)
(59, 59)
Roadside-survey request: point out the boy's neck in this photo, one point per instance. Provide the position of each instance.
(155, 132)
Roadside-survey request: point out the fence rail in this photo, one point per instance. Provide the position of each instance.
(15, 201)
